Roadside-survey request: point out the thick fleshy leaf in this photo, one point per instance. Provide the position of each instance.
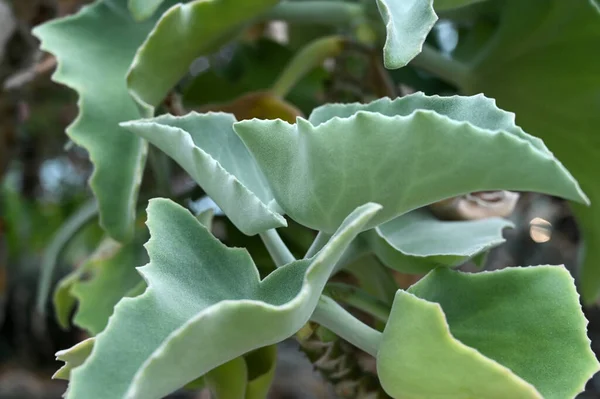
(206, 146)
(190, 290)
(73, 357)
(554, 41)
(418, 242)
(502, 334)
(403, 154)
(108, 276)
(167, 53)
(143, 9)
(97, 72)
(407, 24)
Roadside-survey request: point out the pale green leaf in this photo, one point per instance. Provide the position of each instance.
(407, 23)
(63, 300)
(143, 9)
(402, 154)
(203, 307)
(73, 357)
(543, 63)
(527, 321)
(418, 242)
(183, 33)
(97, 72)
(108, 275)
(206, 146)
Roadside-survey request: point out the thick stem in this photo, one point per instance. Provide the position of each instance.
(317, 12)
(332, 316)
(317, 244)
(446, 68)
(359, 299)
(308, 58)
(276, 247)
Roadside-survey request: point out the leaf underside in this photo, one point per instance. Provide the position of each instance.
(418, 242)
(206, 146)
(403, 154)
(211, 306)
(407, 25)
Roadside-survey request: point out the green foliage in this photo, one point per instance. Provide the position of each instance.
(492, 335)
(542, 64)
(400, 154)
(418, 242)
(97, 73)
(199, 315)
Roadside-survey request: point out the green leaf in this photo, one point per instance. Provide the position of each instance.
(261, 371)
(514, 333)
(108, 276)
(229, 380)
(441, 5)
(143, 9)
(403, 154)
(167, 53)
(418, 242)
(407, 24)
(97, 73)
(538, 42)
(205, 320)
(206, 146)
(73, 357)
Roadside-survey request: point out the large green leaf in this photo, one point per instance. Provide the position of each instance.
(407, 24)
(514, 333)
(418, 242)
(183, 33)
(543, 63)
(206, 146)
(203, 307)
(403, 154)
(92, 64)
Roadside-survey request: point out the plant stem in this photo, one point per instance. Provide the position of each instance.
(446, 68)
(317, 12)
(317, 244)
(308, 58)
(331, 315)
(77, 221)
(276, 247)
(359, 299)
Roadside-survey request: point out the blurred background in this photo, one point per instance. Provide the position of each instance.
(43, 181)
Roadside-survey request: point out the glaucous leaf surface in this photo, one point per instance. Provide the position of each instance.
(206, 146)
(203, 307)
(543, 63)
(183, 33)
(513, 333)
(418, 242)
(403, 154)
(97, 72)
(407, 25)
